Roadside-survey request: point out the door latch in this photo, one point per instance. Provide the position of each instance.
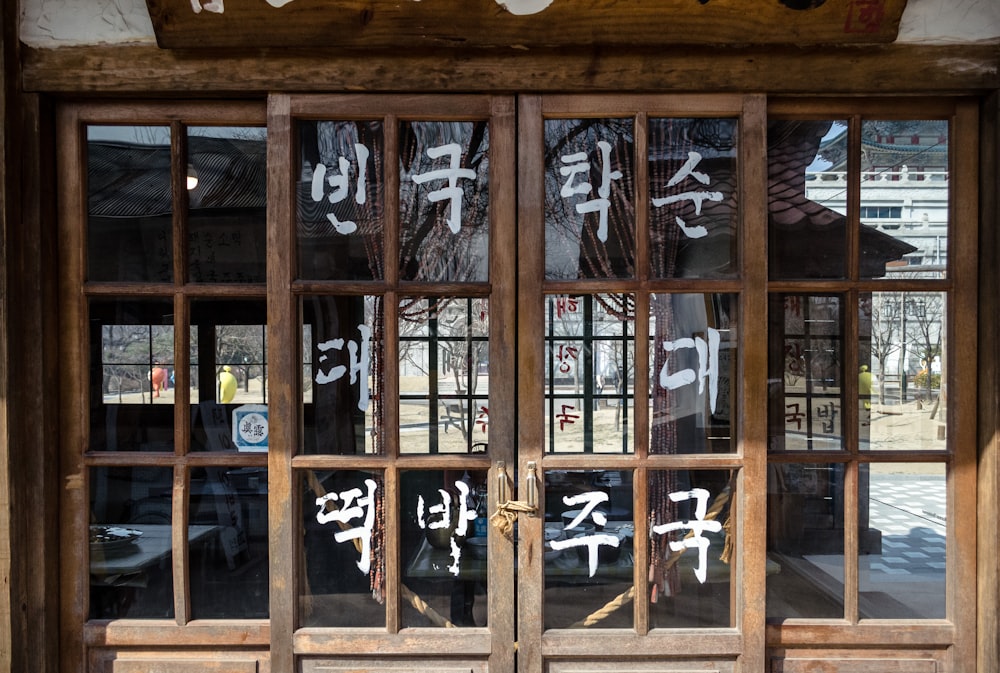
(507, 510)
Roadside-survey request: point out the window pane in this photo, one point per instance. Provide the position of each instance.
(805, 373)
(690, 538)
(342, 411)
(129, 204)
(131, 571)
(589, 532)
(444, 201)
(693, 341)
(227, 204)
(805, 540)
(904, 196)
(902, 383)
(907, 506)
(231, 380)
(343, 538)
(589, 362)
(444, 375)
(589, 198)
(693, 186)
(444, 530)
(807, 193)
(131, 375)
(340, 200)
(228, 520)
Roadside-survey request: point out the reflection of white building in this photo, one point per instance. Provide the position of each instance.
(904, 195)
(904, 189)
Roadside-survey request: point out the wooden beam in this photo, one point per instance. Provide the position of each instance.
(988, 601)
(461, 24)
(146, 69)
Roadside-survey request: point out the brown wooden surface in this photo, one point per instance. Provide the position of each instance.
(988, 552)
(880, 69)
(962, 344)
(752, 388)
(29, 612)
(463, 24)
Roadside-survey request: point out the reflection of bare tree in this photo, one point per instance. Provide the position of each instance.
(429, 249)
(129, 353)
(573, 248)
(925, 312)
(882, 324)
(243, 347)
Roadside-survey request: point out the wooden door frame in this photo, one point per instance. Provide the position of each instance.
(56, 72)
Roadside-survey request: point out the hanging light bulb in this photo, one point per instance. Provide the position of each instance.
(192, 177)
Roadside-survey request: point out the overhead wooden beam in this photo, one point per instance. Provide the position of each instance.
(409, 24)
(853, 70)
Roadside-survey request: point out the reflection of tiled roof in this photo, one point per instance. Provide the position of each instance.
(798, 224)
(130, 180)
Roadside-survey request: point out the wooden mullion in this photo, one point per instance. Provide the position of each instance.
(751, 424)
(74, 411)
(531, 359)
(391, 226)
(179, 200)
(852, 524)
(961, 351)
(179, 545)
(503, 411)
(284, 359)
(393, 573)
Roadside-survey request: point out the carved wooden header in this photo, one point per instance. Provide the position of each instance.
(409, 24)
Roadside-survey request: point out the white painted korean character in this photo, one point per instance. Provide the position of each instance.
(452, 174)
(354, 506)
(698, 197)
(697, 526)
(358, 352)
(589, 500)
(340, 182)
(708, 365)
(578, 164)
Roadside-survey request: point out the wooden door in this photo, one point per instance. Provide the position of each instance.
(634, 216)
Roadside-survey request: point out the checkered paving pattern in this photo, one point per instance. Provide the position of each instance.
(910, 512)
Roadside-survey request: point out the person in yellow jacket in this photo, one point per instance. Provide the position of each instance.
(227, 385)
(865, 386)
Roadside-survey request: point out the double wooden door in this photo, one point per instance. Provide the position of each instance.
(485, 384)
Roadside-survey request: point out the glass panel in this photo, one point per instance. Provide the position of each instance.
(589, 564)
(693, 184)
(805, 367)
(131, 569)
(129, 204)
(444, 545)
(444, 201)
(343, 538)
(342, 410)
(690, 547)
(443, 375)
(807, 196)
(229, 408)
(805, 540)
(227, 529)
(905, 506)
(589, 198)
(131, 375)
(904, 198)
(589, 367)
(693, 347)
(340, 200)
(902, 382)
(227, 204)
